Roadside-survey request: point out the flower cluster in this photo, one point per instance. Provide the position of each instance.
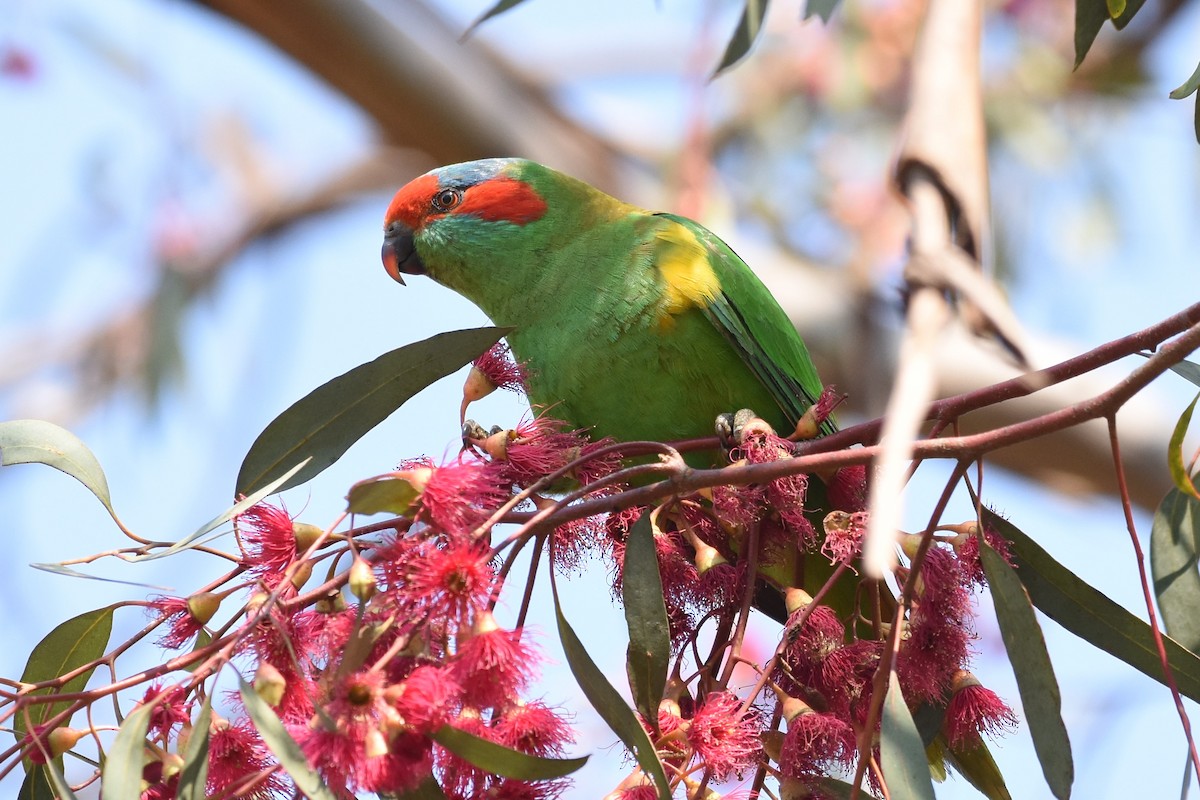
(381, 669)
(364, 691)
(821, 683)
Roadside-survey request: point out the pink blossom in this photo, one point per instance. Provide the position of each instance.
(726, 739)
(447, 582)
(235, 752)
(967, 546)
(784, 496)
(268, 538)
(426, 698)
(844, 535)
(341, 740)
(182, 624)
(816, 744)
(171, 707)
(493, 666)
(501, 370)
(739, 506)
(975, 710)
(459, 495)
(847, 489)
(939, 630)
(539, 447)
(534, 728)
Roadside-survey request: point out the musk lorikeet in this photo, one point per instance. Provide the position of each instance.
(633, 324)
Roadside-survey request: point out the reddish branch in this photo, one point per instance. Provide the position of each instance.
(836, 451)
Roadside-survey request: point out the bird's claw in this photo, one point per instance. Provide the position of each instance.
(472, 431)
(732, 429)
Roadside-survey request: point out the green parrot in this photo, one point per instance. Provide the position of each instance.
(633, 324)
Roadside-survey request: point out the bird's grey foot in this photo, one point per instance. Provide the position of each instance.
(732, 429)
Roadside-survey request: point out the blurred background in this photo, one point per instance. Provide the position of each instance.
(191, 199)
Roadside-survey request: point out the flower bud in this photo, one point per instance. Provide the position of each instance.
(909, 543)
(362, 580)
(626, 787)
(376, 743)
(269, 683)
(333, 603)
(808, 427)
(694, 793)
(485, 622)
(795, 599)
(417, 477)
(172, 765)
(477, 385)
(305, 535)
(496, 444)
(203, 606)
(301, 574)
(790, 707)
(56, 742)
(256, 602)
(707, 557)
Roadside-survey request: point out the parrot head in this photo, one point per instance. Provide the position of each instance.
(460, 203)
(481, 227)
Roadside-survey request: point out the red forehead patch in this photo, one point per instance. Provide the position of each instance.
(412, 201)
(500, 199)
(503, 199)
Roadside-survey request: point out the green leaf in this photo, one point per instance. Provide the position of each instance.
(427, 789)
(121, 777)
(1035, 674)
(499, 8)
(905, 768)
(975, 763)
(193, 778)
(35, 441)
(1188, 370)
(61, 789)
(281, 743)
(1115, 8)
(203, 640)
(499, 760)
(1090, 16)
(322, 425)
(78, 641)
(749, 26)
(838, 790)
(393, 493)
(36, 785)
(1196, 129)
(1089, 614)
(1174, 543)
(648, 657)
(1179, 470)
(1132, 7)
(607, 702)
(820, 8)
(1183, 90)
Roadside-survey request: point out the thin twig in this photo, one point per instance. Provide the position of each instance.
(1140, 558)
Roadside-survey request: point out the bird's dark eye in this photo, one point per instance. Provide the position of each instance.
(447, 199)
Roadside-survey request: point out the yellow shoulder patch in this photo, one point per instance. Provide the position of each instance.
(688, 279)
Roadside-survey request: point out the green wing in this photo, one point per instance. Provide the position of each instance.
(750, 319)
